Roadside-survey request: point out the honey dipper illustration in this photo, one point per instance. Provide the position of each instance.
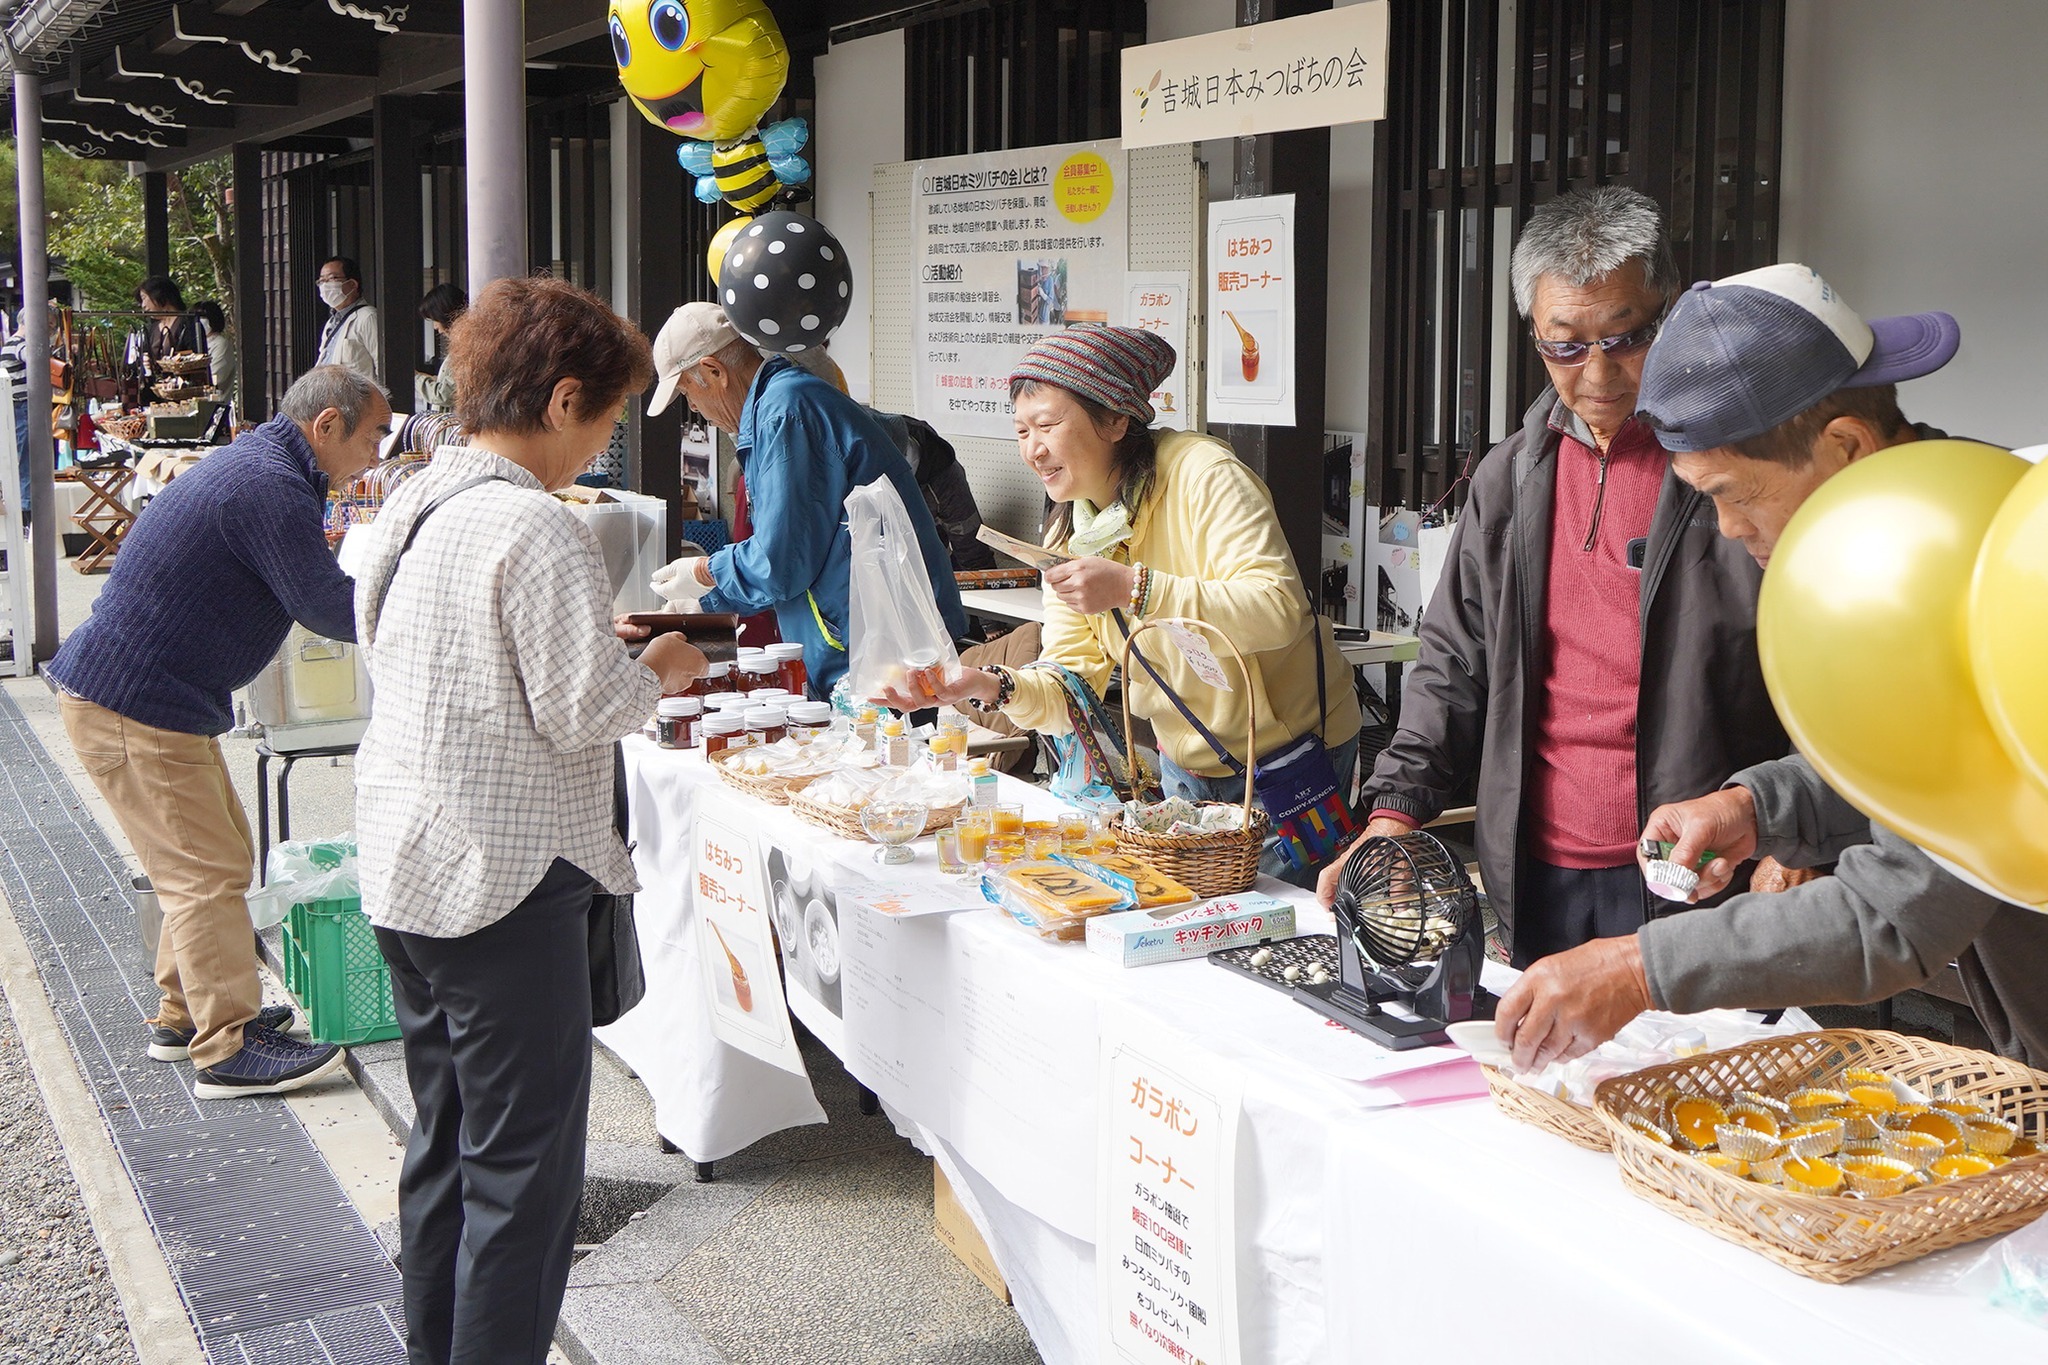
(741, 991)
(1248, 356)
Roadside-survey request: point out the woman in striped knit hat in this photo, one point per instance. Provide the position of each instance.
(1161, 523)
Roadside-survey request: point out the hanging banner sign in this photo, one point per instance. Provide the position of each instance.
(1157, 300)
(1165, 1249)
(1251, 311)
(1313, 71)
(1011, 246)
(737, 948)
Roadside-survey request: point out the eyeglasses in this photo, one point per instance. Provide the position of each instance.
(1578, 352)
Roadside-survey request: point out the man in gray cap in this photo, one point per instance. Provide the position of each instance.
(1763, 386)
(803, 446)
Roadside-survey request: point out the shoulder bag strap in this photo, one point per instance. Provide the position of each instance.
(413, 532)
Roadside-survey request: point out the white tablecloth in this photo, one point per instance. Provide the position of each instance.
(1366, 1232)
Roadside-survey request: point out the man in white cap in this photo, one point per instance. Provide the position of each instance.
(803, 446)
(1764, 385)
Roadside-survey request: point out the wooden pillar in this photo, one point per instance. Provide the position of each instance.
(250, 312)
(156, 225)
(1290, 459)
(657, 263)
(395, 173)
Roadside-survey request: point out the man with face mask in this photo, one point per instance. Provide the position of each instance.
(350, 336)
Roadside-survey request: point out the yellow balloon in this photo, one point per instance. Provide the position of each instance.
(704, 69)
(1861, 632)
(721, 242)
(2008, 621)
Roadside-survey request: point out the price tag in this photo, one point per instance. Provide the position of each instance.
(1198, 654)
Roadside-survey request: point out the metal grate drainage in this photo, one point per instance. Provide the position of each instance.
(273, 1262)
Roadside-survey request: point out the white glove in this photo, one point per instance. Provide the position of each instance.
(676, 580)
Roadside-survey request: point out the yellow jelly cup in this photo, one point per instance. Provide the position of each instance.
(1812, 1175)
(1745, 1143)
(1821, 1137)
(1808, 1105)
(1960, 1167)
(1692, 1120)
(1874, 1177)
(1918, 1150)
(1989, 1137)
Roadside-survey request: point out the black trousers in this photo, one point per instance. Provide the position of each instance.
(1561, 907)
(497, 1050)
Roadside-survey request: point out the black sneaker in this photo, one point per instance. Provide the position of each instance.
(269, 1063)
(175, 1044)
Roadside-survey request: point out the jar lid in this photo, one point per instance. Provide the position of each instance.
(977, 766)
(719, 668)
(770, 694)
(892, 726)
(678, 706)
(761, 717)
(722, 725)
(786, 650)
(811, 712)
(760, 664)
(727, 701)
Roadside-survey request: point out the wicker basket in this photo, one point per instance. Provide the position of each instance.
(846, 823)
(1575, 1123)
(774, 788)
(1221, 862)
(1832, 1238)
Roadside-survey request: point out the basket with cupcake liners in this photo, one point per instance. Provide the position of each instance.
(1836, 1236)
(1220, 862)
(774, 788)
(1575, 1123)
(845, 820)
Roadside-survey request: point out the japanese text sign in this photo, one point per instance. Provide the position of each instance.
(1157, 300)
(736, 946)
(1010, 247)
(1250, 288)
(1166, 1251)
(1312, 71)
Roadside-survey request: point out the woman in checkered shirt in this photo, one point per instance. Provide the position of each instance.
(484, 807)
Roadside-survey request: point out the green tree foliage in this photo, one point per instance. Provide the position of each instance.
(95, 226)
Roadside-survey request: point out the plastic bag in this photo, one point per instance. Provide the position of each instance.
(301, 871)
(2014, 1272)
(894, 626)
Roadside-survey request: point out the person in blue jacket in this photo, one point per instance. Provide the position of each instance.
(804, 446)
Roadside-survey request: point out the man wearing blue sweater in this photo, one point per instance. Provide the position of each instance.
(207, 585)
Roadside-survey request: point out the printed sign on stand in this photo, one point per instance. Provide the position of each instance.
(1165, 1250)
(1250, 289)
(1157, 300)
(737, 948)
(1011, 247)
(1311, 71)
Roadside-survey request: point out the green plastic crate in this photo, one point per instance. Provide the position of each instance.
(333, 968)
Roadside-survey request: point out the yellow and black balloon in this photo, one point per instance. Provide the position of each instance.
(707, 70)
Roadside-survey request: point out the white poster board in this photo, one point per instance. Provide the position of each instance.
(1010, 247)
(1157, 300)
(1166, 1248)
(736, 947)
(1250, 288)
(1311, 71)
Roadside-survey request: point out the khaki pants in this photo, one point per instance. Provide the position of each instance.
(176, 804)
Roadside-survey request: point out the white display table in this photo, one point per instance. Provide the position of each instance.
(1366, 1230)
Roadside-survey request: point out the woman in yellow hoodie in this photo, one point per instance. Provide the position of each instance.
(1162, 523)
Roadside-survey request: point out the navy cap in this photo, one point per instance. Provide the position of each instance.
(1738, 356)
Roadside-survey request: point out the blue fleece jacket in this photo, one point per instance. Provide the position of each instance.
(804, 446)
(207, 585)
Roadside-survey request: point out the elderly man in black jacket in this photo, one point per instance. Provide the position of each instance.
(1590, 653)
(1764, 386)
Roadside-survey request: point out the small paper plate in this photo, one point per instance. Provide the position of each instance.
(1477, 1037)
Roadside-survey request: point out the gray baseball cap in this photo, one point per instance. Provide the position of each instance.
(1737, 356)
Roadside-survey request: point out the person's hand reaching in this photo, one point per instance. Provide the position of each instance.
(1723, 821)
(1091, 584)
(1571, 1002)
(930, 687)
(676, 661)
(1386, 827)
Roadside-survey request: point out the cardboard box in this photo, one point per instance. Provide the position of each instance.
(1135, 938)
(957, 1231)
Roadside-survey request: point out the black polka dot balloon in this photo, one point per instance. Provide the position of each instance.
(785, 282)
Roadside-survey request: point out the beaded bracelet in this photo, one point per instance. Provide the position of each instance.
(1141, 588)
(1006, 688)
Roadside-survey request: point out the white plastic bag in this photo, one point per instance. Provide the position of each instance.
(301, 871)
(894, 624)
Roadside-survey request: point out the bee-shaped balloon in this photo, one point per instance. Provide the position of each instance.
(708, 70)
